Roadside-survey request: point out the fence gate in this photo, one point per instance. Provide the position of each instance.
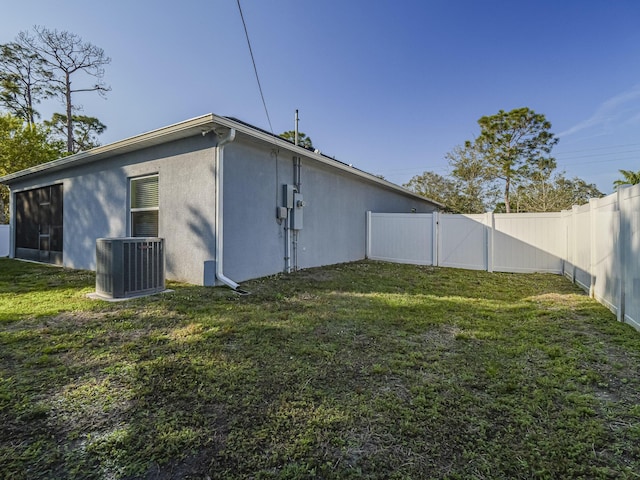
(402, 237)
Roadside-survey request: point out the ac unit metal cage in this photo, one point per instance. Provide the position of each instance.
(129, 267)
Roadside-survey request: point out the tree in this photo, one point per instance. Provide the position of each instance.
(513, 142)
(21, 146)
(24, 78)
(303, 140)
(475, 189)
(468, 189)
(67, 55)
(513, 147)
(574, 191)
(629, 177)
(535, 191)
(85, 130)
(434, 187)
(545, 191)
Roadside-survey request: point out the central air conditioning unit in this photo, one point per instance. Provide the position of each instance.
(129, 267)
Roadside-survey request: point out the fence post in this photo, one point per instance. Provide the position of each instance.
(592, 245)
(621, 261)
(491, 224)
(565, 254)
(574, 247)
(435, 234)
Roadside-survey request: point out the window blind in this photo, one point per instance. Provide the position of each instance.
(144, 192)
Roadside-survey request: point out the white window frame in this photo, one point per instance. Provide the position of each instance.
(145, 209)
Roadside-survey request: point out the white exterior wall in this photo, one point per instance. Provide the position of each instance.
(96, 204)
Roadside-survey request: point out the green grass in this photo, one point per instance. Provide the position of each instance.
(362, 370)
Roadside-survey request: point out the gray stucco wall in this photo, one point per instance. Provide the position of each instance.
(334, 217)
(96, 203)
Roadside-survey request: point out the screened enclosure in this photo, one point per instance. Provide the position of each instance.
(39, 224)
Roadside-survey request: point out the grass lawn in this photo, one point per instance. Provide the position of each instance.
(362, 370)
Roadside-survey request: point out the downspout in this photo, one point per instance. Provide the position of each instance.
(219, 173)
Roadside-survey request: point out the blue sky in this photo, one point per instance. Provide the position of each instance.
(389, 86)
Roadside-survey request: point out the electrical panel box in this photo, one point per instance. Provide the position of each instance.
(282, 213)
(288, 192)
(296, 214)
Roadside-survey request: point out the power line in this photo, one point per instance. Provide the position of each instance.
(264, 103)
(255, 69)
(602, 148)
(603, 154)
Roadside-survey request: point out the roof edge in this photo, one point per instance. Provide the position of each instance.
(281, 142)
(121, 146)
(190, 127)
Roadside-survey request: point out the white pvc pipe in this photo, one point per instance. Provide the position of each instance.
(287, 242)
(219, 226)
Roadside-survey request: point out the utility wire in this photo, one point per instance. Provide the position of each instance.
(264, 103)
(606, 147)
(255, 69)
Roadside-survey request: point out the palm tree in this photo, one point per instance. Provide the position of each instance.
(629, 178)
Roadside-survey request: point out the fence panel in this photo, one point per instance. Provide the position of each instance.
(4, 240)
(528, 242)
(605, 273)
(462, 241)
(630, 253)
(401, 237)
(582, 246)
(568, 228)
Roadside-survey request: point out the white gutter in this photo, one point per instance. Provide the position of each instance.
(219, 173)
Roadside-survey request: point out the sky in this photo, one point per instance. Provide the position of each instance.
(389, 86)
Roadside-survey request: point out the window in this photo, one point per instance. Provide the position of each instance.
(144, 206)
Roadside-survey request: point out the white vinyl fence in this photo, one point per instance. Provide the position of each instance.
(462, 242)
(596, 245)
(603, 251)
(411, 239)
(493, 242)
(4, 240)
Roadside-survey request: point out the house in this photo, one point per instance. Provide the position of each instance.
(232, 201)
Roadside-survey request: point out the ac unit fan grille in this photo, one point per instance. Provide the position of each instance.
(128, 267)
